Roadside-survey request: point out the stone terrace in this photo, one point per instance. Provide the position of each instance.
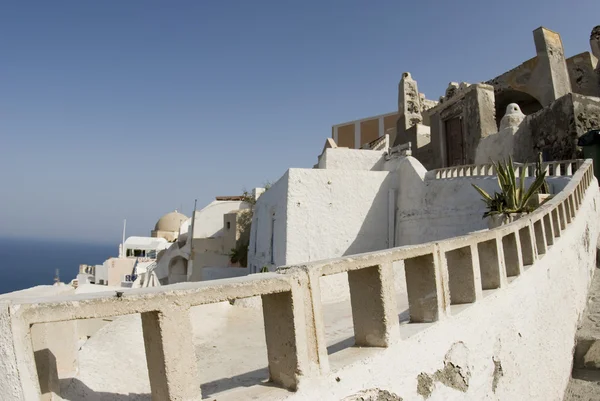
(486, 270)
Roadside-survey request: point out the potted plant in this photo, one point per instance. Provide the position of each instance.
(513, 200)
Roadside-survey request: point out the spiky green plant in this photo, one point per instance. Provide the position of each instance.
(513, 197)
(545, 189)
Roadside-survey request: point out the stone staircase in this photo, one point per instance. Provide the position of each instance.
(585, 378)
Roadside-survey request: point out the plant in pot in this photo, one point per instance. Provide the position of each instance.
(513, 200)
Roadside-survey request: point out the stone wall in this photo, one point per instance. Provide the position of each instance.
(583, 73)
(555, 129)
(474, 105)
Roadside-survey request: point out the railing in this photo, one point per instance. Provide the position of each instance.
(381, 143)
(438, 275)
(552, 169)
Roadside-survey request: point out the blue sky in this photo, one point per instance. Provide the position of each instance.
(130, 109)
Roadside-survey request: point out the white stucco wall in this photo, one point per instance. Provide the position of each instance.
(101, 273)
(496, 146)
(334, 213)
(270, 215)
(321, 214)
(215, 273)
(209, 220)
(430, 209)
(208, 224)
(351, 159)
(526, 329)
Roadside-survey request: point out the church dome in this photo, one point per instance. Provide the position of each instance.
(170, 222)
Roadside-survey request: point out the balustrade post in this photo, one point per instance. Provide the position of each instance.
(170, 355)
(293, 346)
(540, 237)
(527, 245)
(427, 287)
(374, 309)
(493, 274)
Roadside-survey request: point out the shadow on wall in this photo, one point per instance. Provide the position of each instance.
(373, 233)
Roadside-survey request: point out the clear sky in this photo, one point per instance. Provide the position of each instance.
(130, 109)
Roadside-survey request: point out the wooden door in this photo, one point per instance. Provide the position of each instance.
(455, 155)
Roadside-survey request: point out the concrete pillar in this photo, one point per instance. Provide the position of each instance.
(357, 136)
(374, 309)
(492, 274)
(170, 355)
(571, 200)
(463, 275)
(556, 222)
(511, 251)
(409, 104)
(548, 231)
(551, 57)
(595, 42)
(527, 247)
(428, 301)
(540, 240)
(567, 209)
(55, 348)
(315, 324)
(286, 337)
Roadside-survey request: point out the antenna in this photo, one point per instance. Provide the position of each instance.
(56, 277)
(191, 233)
(123, 243)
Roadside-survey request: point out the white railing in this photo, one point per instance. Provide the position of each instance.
(438, 275)
(552, 169)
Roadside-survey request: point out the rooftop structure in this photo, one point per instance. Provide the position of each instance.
(167, 226)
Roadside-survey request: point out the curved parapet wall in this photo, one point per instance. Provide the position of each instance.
(492, 316)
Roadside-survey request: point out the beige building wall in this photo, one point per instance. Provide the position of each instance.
(355, 134)
(118, 268)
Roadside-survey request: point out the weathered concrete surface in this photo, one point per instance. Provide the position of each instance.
(585, 381)
(230, 350)
(555, 129)
(506, 346)
(475, 106)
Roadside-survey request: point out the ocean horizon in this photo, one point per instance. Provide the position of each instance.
(27, 262)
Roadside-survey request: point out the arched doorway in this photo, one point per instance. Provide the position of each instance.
(178, 270)
(526, 102)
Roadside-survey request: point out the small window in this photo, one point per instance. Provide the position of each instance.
(228, 225)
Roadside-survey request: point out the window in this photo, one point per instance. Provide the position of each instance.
(228, 225)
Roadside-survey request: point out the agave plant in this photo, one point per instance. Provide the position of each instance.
(513, 198)
(538, 171)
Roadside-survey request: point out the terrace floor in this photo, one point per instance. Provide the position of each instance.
(230, 349)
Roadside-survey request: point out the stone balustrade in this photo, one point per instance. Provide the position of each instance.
(552, 169)
(438, 276)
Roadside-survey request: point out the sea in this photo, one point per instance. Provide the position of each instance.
(26, 262)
